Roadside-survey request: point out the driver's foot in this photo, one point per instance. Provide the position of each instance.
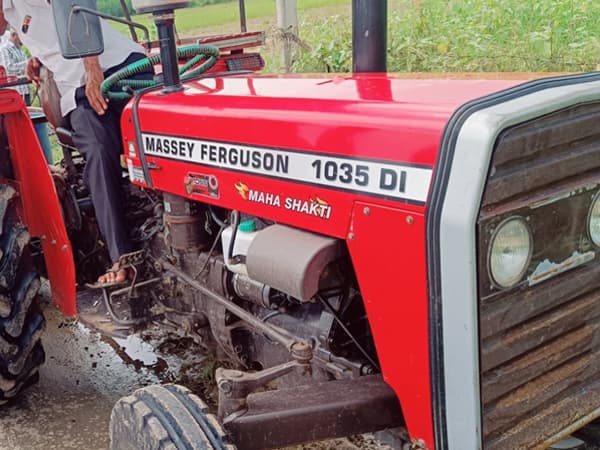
(114, 275)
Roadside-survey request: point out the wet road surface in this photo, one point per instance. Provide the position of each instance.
(70, 406)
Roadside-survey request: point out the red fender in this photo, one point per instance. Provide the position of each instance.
(39, 201)
(396, 294)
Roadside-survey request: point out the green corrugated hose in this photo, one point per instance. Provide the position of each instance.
(196, 52)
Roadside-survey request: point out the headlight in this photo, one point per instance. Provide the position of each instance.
(510, 252)
(594, 221)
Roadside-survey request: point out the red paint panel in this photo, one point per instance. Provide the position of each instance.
(40, 206)
(388, 253)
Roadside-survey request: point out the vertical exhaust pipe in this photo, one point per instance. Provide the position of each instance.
(369, 35)
(243, 27)
(165, 22)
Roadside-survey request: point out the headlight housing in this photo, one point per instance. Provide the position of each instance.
(510, 252)
(594, 221)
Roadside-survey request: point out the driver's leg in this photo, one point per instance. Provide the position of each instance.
(98, 138)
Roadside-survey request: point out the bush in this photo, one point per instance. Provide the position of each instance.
(468, 35)
(329, 46)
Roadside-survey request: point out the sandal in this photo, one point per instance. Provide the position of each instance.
(108, 284)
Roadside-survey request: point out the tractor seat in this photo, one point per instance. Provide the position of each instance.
(65, 137)
(70, 153)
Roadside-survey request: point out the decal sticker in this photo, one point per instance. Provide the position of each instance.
(316, 206)
(131, 149)
(371, 177)
(242, 189)
(135, 173)
(200, 184)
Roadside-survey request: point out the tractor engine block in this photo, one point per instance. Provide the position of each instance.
(321, 305)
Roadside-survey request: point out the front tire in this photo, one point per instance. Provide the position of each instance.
(167, 417)
(21, 319)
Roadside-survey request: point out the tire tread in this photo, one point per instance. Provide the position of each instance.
(21, 320)
(165, 417)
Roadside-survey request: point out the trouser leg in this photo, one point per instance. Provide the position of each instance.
(98, 139)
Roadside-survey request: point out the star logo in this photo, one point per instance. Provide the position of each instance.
(242, 189)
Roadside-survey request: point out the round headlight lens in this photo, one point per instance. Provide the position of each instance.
(510, 252)
(594, 221)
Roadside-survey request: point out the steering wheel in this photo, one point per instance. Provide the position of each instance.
(207, 54)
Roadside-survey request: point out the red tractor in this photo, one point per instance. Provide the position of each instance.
(370, 252)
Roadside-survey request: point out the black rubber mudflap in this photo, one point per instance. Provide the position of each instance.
(167, 417)
(21, 320)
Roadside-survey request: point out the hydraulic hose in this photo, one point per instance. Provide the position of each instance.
(214, 217)
(196, 53)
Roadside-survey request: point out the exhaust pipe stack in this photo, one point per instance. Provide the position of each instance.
(369, 36)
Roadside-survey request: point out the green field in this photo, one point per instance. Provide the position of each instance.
(208, 17)
(427, 35)
(469, 35)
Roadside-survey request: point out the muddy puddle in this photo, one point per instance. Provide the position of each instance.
(170, 357)
(138, 353)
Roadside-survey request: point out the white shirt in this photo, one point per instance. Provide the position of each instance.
(5, 36)
(42, 41)
(14, 61)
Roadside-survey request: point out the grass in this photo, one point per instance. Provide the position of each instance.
(207, 17)
(506, 35)
(468, 35)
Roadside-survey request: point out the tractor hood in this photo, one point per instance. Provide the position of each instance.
(370, 116)
(371, 135)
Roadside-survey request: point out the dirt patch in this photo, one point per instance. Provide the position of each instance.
(362, 442)
(175, 345)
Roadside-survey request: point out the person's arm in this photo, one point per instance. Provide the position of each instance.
(94, 79)
(33, 70)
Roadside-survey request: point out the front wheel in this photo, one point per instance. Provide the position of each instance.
(167, 417)
(21, 319)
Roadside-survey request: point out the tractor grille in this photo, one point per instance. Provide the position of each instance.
(540, 340)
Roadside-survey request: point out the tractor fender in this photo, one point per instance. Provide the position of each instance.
(391, 273)
(39, 201)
